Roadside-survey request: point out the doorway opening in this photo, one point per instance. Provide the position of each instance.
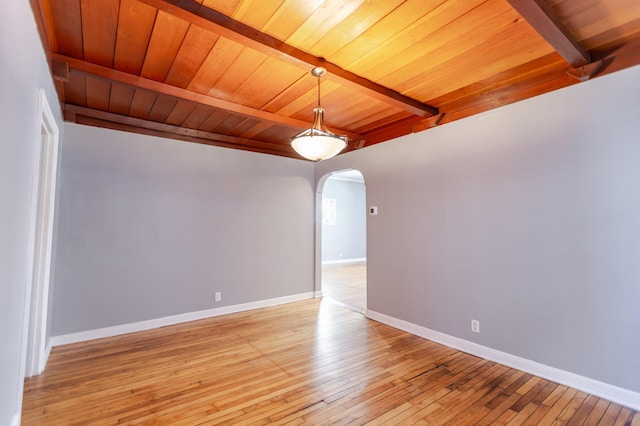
(43, 202)
(343, 235)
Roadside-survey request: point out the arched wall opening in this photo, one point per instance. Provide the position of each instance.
(341, 239)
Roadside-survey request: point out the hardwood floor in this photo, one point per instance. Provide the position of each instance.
(308, 362)
(346, 283)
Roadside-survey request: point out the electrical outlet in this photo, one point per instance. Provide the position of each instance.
(475, 326)
(218, 296)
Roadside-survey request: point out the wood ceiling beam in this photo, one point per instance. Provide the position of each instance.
(96, 122)
(88, 68)
(527, 80)
(83, 115)
(542, 18)
(618, 58)
(585, 72)
(214, 21)
(42, 14)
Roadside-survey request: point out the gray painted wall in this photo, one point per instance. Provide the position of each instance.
(23, 70)
(347, 239)
(526, 218)
(151, 227)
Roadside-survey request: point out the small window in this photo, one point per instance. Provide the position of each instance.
(328, 211)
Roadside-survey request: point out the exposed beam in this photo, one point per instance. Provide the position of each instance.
(138, 82)
(584, 73)
(96, 122)
(542, 18)
(214, 21)
(395, 130)
(511, 86)
(431, 122)
(60, 71)
(386, 121)
(42, 14)
(619, 57)
(82, 115)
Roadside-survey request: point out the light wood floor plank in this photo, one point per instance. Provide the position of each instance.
(346, 283)
(308, 362)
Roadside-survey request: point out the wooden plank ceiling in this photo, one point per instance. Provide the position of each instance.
(235, 73)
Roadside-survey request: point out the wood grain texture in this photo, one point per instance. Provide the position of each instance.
(392, 65)
(166, 39)
(308, 362)
(194, 50)
(346, 284)
(590, 21)
(112, 121)
(135, 24)
(99, 28)
(66, 19)
(185, 95)
(119, 122)
(264, 43)
(539, 14)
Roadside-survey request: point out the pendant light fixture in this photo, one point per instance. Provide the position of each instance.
(318, 143)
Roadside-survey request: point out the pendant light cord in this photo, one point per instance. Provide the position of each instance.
(318, 91)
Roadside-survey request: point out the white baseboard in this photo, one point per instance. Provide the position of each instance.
(47, 351)
(317, 294)
(45, 356)
(612, 393)
(116, 330)
(338, 261)
(15, 420)
(42, 361)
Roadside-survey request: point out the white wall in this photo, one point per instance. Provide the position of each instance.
(526, 218)
(152, 227)
(347, 238)
(23, 71)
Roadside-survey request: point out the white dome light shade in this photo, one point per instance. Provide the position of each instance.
(318, 143)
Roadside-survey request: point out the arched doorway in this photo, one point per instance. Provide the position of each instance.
(343, 239)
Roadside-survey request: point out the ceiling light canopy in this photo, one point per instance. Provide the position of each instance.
(318, 143)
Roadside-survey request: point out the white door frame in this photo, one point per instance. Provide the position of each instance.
(35, 350)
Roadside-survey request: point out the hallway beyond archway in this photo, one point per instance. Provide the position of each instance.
(343, 260)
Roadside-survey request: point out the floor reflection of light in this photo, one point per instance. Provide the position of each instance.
(325, 334)
(329, 357)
